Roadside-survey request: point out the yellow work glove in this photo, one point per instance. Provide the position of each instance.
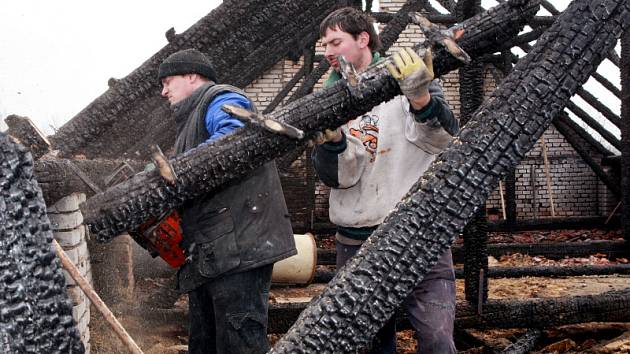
(326, 136)
(414, 74)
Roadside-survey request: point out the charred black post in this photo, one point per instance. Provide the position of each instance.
(36, 312)
(475, 233)
(625, 132)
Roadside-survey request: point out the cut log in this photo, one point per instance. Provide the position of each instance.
(131, 115)
(367, 291)
(207, 168)
(26, 132)
(57, 178)
(36, 311)
(613, 306)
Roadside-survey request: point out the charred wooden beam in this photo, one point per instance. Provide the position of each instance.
(524, 38)
(607, 84)
(553, 271)
(285, 90)
(61, 177)
(589, 222)
(612, 249)
(625, 132)
(594, 124)
(561, 123)
(579, 133)
(367, 291)
(558, 223)
(449, 5)
(207, 168)
(600, 107)
(26, 132)
(130, 116)
(525, 343)
(606, 307)
(324, 275)
(510, 178)
(471, 93)
(532, 313)
(36, 312)
(542, 21)
(399, 22)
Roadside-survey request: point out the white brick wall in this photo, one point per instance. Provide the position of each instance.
(68, 229)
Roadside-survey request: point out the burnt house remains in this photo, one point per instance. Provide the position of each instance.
(538, 150)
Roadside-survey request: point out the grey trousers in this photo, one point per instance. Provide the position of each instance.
(431, 311)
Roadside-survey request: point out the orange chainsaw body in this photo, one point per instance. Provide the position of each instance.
(162, 238)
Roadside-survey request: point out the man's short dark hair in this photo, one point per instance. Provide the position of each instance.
(353, 21)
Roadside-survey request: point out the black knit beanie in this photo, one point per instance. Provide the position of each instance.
(187, 61)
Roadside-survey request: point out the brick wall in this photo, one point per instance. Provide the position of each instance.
(68, 229)
(576, 190)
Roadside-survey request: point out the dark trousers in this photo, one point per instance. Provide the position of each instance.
(229, 314)
(431, 310)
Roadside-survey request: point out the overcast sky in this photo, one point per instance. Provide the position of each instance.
(56, 56)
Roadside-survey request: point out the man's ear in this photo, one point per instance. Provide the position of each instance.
(364, 39)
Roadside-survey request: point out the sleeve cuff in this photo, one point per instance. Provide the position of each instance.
(337, 147)
(422, 115)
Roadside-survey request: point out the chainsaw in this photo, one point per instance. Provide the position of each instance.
(160, 236)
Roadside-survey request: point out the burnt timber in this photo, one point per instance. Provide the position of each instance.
(397, 255)
(207, 168)
(36, 312)
(612, 249)
(131, 115)
(606, 307)
(61, 177)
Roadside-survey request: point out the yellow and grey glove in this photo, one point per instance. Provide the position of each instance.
(327, 136)
(414, 74)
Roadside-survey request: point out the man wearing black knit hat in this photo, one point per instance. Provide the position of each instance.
(233, 237)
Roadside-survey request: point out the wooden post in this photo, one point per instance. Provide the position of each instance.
(547, 175)
(96, 300)
(502, 199)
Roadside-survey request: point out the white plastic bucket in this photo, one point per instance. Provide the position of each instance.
(300, 268)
